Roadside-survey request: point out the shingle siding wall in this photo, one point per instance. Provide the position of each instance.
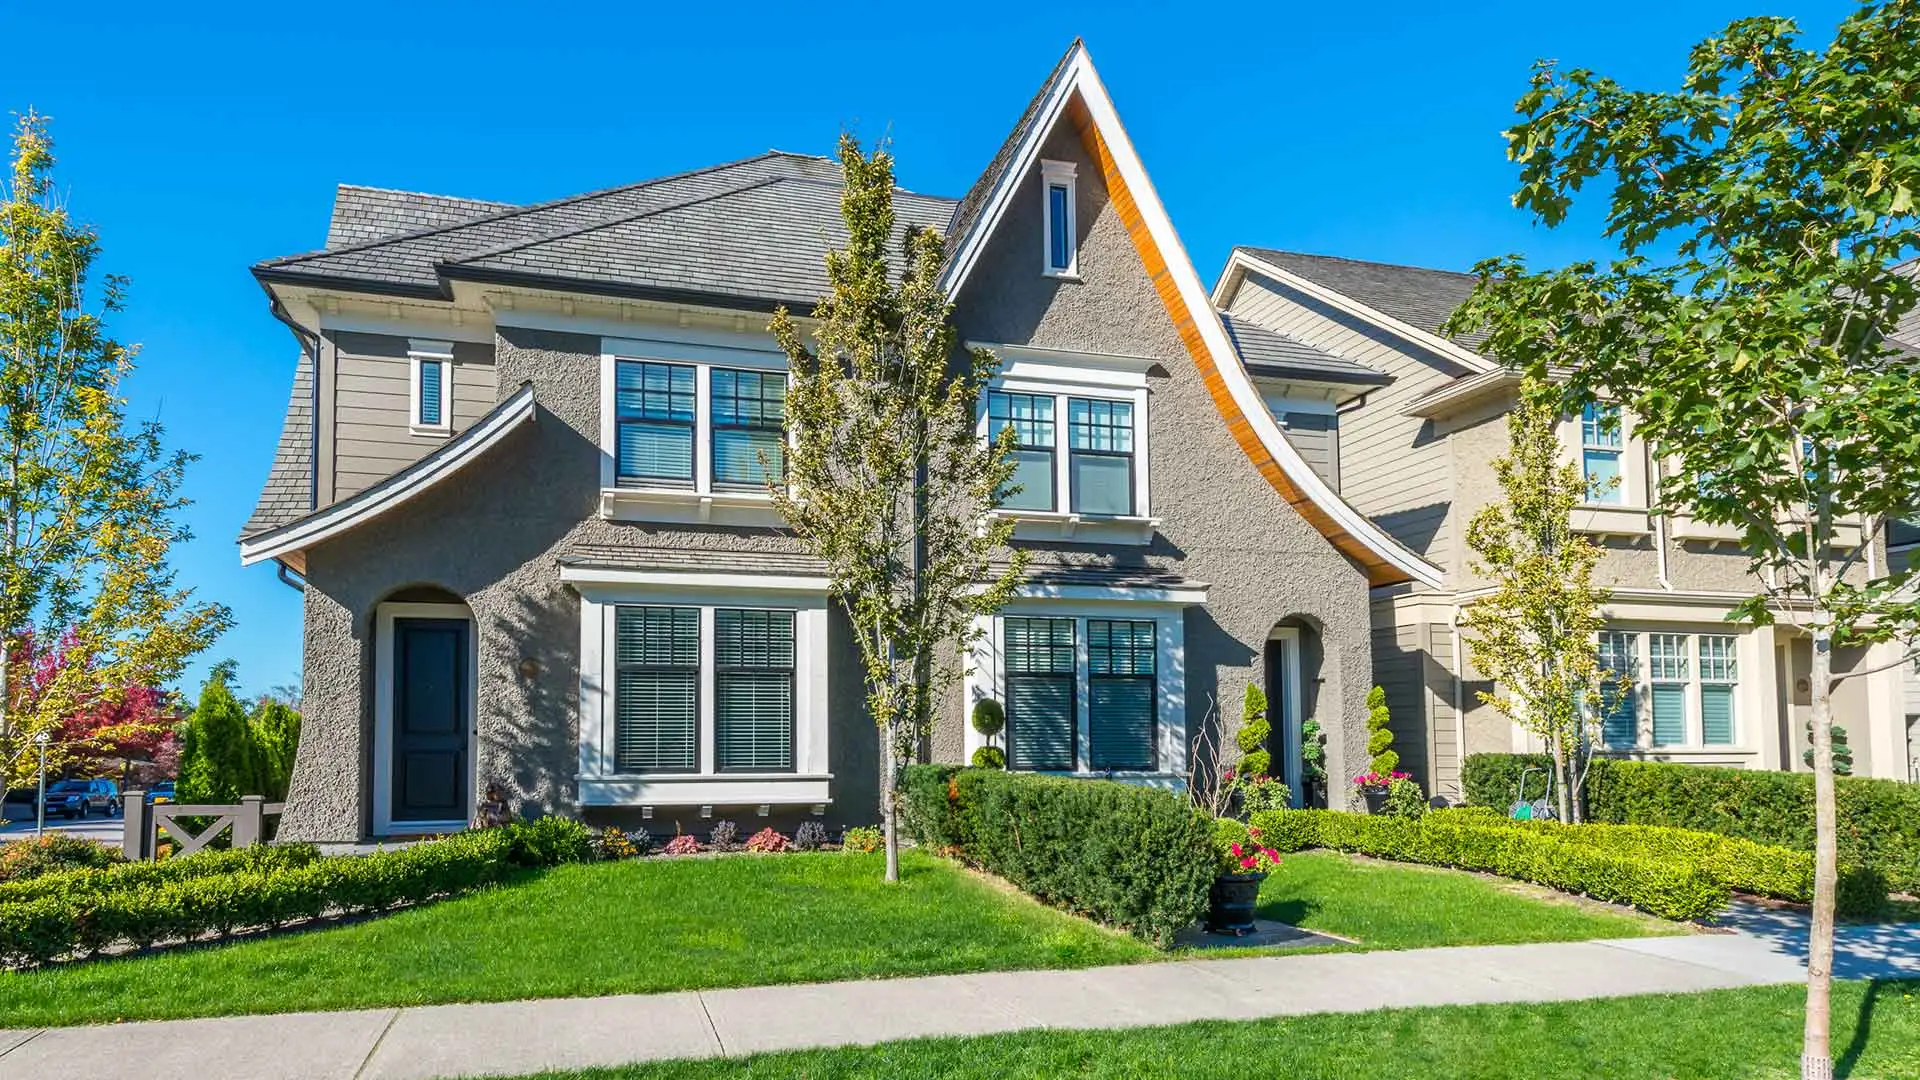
(1392, 467)
(1317, 437)
(371, 403)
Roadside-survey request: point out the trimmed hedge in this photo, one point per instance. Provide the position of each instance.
(1133, 857)
(129, 875)
(1672, 889)
(1879, 819)
(77, 914)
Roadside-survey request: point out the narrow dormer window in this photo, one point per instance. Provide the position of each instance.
(431, 396)
(1062, 255)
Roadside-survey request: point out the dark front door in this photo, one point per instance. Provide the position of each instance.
(430, 710)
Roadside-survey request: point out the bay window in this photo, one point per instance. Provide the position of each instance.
(1085, 692)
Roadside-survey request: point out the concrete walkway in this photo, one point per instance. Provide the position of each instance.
(512, 1038)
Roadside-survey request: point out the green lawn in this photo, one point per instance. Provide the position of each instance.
(1710, 1036)
(678, 924)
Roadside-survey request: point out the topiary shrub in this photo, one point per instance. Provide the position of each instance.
(989, 757)
(989, 718)
(810, 836)
(1252, 736)
(1380, 734)
(725, 836)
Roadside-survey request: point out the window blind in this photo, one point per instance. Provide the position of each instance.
(1100, 455)
(753, 690)
(656, 689)
(1719, 676)
(1621, 725)
(1041, 713)
(1120, 694)
(1667, 664)
(654, 416)
(748, 411)
(432, 376)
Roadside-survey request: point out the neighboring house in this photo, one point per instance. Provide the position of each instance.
(520, 485)
(1414, 453)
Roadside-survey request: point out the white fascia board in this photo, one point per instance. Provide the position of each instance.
(1083, 78)
(1240, 262)
(344, 515)
(1189, 596)
(694, 580)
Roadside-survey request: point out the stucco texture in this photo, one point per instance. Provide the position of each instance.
(1220, 521)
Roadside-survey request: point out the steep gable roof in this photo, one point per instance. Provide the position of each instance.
(362, 214)
(1074, 90)
(1266, 351)
(1418, 296)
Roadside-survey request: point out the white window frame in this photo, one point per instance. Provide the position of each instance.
(1063, 376)
(1059, 174)
(700, 503)
(421, 352)
(599, 780)
(1693, 741)
(987, 674)
(1629, 516)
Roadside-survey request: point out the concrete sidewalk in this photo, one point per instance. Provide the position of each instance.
(512, 1038)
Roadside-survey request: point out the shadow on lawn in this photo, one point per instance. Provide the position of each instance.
(1862, 1027)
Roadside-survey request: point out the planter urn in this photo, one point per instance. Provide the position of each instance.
(1376, 799)
(1230, 903)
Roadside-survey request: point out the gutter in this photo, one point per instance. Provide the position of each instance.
(291, 578)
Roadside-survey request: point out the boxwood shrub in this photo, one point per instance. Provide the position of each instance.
(1879, 819)
(78, 913)
(1672, 889)
(1133, 857)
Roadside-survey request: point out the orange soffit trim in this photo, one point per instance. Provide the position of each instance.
(1378, 570)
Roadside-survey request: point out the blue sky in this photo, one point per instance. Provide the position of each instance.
(204, 139)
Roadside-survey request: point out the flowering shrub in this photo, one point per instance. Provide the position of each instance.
(1378, 781)
(1250, 855)
(642, 841)
(681, 845)
(613, 844)
(810, 836)
(24, 859)
(863, 839)
(768, 839)
(1405, 799)
(725, 836)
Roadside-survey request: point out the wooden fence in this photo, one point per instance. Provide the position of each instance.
(144, 821)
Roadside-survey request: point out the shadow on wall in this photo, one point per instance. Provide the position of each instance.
(1208, 649)
(1416, 526)
(529, 698)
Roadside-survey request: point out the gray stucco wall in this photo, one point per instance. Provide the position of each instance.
(491, 534)
(1221, 522)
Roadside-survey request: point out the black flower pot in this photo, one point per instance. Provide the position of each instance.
(1230, 903)
(1376, 799)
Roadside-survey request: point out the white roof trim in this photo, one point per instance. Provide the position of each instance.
(1081, 76)
(1193, 594)
(1240, 262)
(452, 456)
(695, 579)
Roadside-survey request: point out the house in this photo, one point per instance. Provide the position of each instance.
(1413, 451)
(520, 487)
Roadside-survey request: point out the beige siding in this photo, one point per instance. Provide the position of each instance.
(1399, 669)
(370, 402)
(1392, 467)
(1438, 681)
(1317, 437)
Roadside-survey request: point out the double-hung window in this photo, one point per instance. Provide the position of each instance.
(1031, 418)
(1719, 680)
(1121, 698)
(753, 690)
(1042, 699)
(653, 423)
(1669, 670)
(1689, 682)
(748, 415)
(1100, 455)
(656, 689)
(1620, 727)
(1601, 451)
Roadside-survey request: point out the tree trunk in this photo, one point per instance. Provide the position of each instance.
(889, 786)
(1816, 1055)
(1560, 778)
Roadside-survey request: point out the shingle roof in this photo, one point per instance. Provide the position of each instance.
(1420, 297)
(1266, 352)
(361, 214)
(578, 239)
(288, 493)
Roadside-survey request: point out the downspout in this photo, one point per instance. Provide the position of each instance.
(1459, 704)
(290, 577)
(1659, 534)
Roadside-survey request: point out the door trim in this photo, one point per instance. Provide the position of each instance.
(383, 670)
(1287, 640)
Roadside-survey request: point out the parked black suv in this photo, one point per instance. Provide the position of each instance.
(79, 798)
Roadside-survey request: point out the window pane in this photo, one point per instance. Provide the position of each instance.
(1029, 415)
(1621, 725)
(1033, 475)
(431, 374)
(1100, 425)
(753, 690)
(1603, 477)
(650, 451)
(1059, 241)
(1041, 712)
(1667, 656)
(1102, 484)
(1600, 427)
(749, 397)
(1669, 714)
(1716, 714)
(1121, 694)
(654, 391)
(736, 457)
(656, 689)
(1718, 661)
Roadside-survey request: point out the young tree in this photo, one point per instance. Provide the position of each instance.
(219, 760)
(87, 501)
(101, 729)
(1534, 636)
(889, 481)
(275, 730)
(1763, 210)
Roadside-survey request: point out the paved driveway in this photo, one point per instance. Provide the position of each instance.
(105, 830)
